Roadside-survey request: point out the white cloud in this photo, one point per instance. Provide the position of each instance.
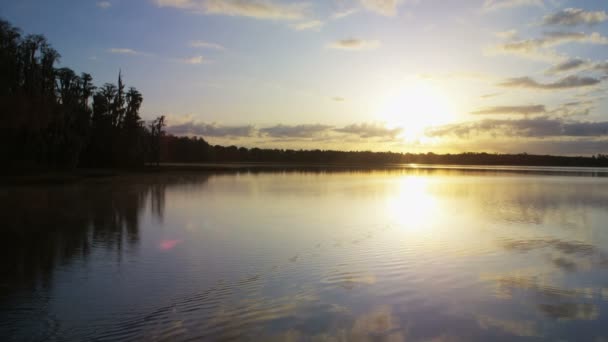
(509, 34)
(354, 44)
(194, 60)
(258, 9)
(384, 7)
(492, 5)
(123, 51)
(344, 13)
(104, 4)
(308, 25)
(206, 45)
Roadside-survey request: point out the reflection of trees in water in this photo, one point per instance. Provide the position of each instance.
(48, 226)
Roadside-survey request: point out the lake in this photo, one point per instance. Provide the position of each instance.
(399, 255)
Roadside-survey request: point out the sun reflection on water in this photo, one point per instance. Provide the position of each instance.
(412, 206)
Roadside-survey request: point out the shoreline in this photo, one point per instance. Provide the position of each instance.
(50, 177)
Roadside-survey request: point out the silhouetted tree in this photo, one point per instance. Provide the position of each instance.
(156, 134)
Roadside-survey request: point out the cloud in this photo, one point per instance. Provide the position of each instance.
(568, 82)
(534, 127)
(575, 108)
(354, 44)
(493, 5)
(490, 95)
(123, 51)
(297, 131)
(384, 7)
(205, 45)
(575, 16)
(568, 65)
(510, 34)
(194, 60)
(533, 48)
(191, 127)
(104, 4)
(557, 38)
(344, 13)
(525, 110)
(308, 25)
(370, 130)
(601, 66)
(258, 9)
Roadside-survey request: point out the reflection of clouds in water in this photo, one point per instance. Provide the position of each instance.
(570, 311)
(379, 324)
(513, 327)
(575, 255)
(552, 301)
(567, 247)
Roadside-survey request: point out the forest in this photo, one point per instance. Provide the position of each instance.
(55, 118)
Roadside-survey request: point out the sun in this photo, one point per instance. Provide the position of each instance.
(414, 107)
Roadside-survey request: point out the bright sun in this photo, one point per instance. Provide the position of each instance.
(415, 107)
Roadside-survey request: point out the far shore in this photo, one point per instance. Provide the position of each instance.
(50, 176)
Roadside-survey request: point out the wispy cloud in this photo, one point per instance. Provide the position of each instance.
(344, 13)
(568, 82)
(509, 34)
(533, 127)
(601, 66)
(575, 108)
(354, 44)
(489, 95)
(572, 64)
(206, 45)
(575, 16)
(384, 7)
(258, 9)
(295, 131)
(104, 4)
(525, 110)
(124, 51)
(493, 5)
(537, 48)
(308, 25)
(370, 130)
(194, 60)
(191, 127)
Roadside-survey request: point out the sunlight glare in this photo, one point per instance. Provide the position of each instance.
(413, 206)
(416, 106)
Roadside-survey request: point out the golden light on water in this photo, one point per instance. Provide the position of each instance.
(413, 206)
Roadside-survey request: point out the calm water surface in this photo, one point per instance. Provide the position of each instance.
(414, 255)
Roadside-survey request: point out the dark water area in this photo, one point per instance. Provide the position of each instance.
(397, 255)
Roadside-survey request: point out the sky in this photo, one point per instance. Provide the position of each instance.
(443, 76)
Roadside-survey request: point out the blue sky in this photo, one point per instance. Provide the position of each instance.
(410, 75)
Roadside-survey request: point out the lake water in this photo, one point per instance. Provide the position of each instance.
(402, 255)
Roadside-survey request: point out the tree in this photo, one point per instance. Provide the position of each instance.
(156, 134)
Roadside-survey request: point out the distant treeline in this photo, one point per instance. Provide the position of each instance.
(51, 117)
(176, 149)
